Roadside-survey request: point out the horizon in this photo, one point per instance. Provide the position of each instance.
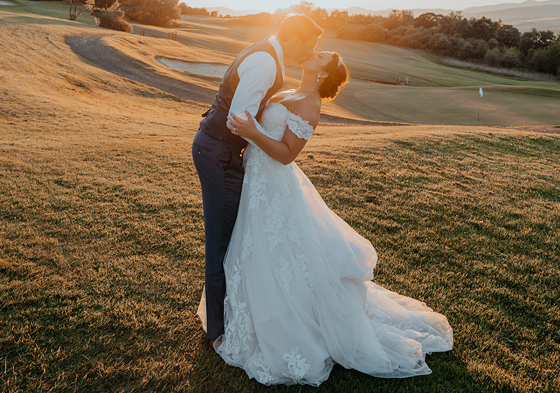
(258, 5)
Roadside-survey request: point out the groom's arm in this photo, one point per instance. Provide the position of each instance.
(257, 74)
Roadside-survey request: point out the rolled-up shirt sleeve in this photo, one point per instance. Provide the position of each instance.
(257, 74)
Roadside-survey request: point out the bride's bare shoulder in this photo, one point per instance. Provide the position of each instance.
(280, 96)
(308, 109)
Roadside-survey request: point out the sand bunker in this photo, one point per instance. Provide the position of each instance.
(6, 3)
(209, 69)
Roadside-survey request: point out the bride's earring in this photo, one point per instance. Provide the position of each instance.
(318, 79)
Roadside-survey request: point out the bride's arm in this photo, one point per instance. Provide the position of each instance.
(284, 151)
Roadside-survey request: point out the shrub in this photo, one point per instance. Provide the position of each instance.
(111, 19)
(481, 49)
(186, 10)
(493, 43)
(493, 57)
(373, 33)
(160, 13)
(545, 59)
(349, 32)
(103, 4)
(511, 58)
(440, 44)
(466, 51)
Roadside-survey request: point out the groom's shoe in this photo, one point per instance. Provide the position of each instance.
(211, 345)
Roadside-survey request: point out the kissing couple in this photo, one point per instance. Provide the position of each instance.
(288, 290)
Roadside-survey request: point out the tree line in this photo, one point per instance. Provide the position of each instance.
(113, 14)
(481, 40)
(186, 10)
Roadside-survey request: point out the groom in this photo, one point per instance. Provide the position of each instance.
(255, 75)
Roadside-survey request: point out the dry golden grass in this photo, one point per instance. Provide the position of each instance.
(101, 230)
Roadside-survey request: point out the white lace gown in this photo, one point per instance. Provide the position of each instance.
(299, 293)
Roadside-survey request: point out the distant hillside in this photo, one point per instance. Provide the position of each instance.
(504, 6)
(387, 11)
(228, 11)
(542, 15)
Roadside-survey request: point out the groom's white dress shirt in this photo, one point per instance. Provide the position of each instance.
(257, 74)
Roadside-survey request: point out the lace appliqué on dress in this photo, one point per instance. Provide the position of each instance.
(274, 221)
(296, 364)
(263, 375)
(239, 328)
(301, 128)
(285, 273)
(302, 262)
(247, 244)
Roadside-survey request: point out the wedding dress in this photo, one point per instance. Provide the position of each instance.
(299, 293)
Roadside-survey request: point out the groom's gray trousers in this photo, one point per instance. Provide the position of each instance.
(220, 169)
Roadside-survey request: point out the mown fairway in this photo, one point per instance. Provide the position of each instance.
(101, 231)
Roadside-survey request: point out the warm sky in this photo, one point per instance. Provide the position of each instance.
(272, 5)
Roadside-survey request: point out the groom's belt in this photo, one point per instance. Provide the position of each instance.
(214, 124)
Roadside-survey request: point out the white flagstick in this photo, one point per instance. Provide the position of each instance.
(481, 94)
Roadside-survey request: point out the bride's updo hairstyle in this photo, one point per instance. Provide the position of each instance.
(337, 78)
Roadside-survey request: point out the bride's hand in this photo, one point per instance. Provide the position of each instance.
(241, 127)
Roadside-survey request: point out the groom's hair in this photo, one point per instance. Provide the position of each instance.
(298, 26)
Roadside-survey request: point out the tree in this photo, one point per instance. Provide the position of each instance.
(111, 19)
(493, 57)
(511, 58)
(467, 50)
(373, 33)
(336, 19)
(420, 39)
(535, 39)
(319, 15)
(493, 43)
(303, 7)
(74, 9)
(102, 4)
(483, 28)
(546, 59)
(428, 20)
(451, 24)
(508, 36)
(440, 44)
(481, 49)
(186, 10)
(152, 12)
(399, 18)
(546, 38)
(349, 32)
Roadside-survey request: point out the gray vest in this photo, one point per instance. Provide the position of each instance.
(214, 122)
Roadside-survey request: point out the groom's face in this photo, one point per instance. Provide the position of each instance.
(303, 49)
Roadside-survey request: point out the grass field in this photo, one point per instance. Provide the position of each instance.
(101, 227)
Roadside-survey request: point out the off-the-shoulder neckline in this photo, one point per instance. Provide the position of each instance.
(292, 113)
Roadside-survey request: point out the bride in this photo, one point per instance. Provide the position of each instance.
(299, 295)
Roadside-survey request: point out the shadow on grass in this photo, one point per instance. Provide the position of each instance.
(212, 374)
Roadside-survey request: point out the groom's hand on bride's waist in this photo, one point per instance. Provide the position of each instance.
(242, 125)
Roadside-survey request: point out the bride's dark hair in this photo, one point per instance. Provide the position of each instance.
(337, 77)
